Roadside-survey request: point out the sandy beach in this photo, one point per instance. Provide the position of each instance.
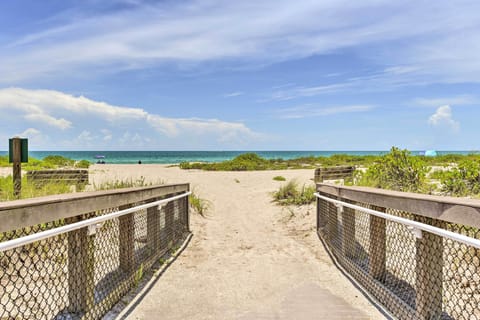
(249, 258)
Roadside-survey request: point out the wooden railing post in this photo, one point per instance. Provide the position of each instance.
(322, 214)
(377, 266)
(348, 244)
(187, 213)
(429, 272)
(169, 223)
(332, 222)
(81, 263)
(126, 241)
(153, 228)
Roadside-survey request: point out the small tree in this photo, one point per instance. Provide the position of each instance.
(397, 170)
(463, 180)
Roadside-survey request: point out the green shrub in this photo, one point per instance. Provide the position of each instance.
(251, 161)
(84, 164)
(58, 161)
(4, 161)
(49, 162)
(291, 193)
(463, 180)
(397, 170)
(279, 178)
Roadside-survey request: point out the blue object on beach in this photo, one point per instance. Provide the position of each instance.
(430, 153)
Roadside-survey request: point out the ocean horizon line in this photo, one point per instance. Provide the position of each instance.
(174, 157)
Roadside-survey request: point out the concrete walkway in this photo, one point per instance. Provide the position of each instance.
(250, 259)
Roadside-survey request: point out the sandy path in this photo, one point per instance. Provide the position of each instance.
(249, 259)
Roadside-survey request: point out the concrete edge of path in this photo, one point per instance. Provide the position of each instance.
(356, 284)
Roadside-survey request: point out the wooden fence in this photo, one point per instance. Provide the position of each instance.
(83, 273)
(414, 275)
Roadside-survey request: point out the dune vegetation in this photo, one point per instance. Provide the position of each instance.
(49, 162)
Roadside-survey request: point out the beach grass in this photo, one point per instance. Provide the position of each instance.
(126, 183)
(292, 193)
(49, 162)
(31, 190)
(199, 205)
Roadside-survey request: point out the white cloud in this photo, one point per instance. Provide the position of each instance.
(443, 117)
(34, 136)
(308, 110)
(233, 94)
(226, 131)
(87, 122)
(85, 135)
(301, 92)
(107, 134)
(266, 31)
(457, 101)
(49, 120)
(29, 133)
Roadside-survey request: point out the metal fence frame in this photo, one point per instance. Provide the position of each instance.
(75, 256)
(417, 255)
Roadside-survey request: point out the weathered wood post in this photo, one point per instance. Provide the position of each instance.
(377, 266)
(153, 229)
(429, 272)
(322, 214)
(81, 260)
(348, 244)
(169, 223)
(332, 225)
(126, 241)
(18, 153)
(187, 211)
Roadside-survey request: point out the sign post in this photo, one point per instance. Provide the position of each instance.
(18, 153)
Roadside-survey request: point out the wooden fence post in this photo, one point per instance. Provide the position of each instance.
(169, 223)
(377, 266)
(348, 244)
(187, 212)
(81, 292)
(126, 241)
(153, 228)
(332, 223)
(429, 272)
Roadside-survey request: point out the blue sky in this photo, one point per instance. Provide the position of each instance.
(240, 75)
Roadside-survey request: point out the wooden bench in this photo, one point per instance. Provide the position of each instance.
(71, 177)
(334, 173)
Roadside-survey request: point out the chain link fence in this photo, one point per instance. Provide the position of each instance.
(414, 275)
(82, 274)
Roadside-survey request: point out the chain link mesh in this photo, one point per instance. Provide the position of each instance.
(83, 273)
(414, 278)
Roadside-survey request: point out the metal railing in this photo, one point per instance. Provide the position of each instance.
(81, 265)
(416, 265)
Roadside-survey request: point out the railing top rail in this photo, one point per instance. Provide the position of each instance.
(14, 243)
(455, 210)
(28, 212)
(414, 225)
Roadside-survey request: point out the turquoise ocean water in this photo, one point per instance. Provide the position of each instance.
(124, 157)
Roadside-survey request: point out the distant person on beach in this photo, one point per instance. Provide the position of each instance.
(139, 161)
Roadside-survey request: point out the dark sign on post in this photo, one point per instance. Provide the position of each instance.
(23, 150)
